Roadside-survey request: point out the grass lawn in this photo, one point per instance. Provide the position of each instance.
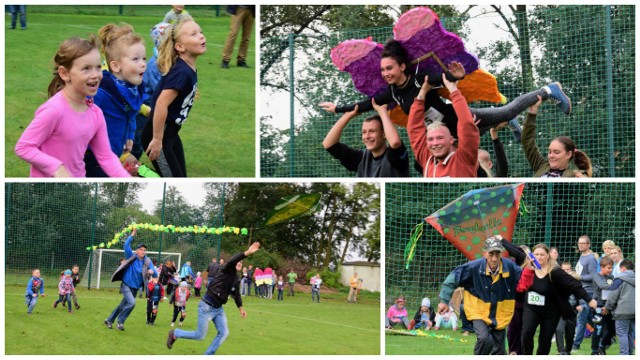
(293, 326)
(219, 135)
(421, 345)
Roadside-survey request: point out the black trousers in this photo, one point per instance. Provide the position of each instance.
(532, 317)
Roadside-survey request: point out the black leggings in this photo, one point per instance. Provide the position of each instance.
(531, 318)
(170, 161)
(151, 315)
(176, 310)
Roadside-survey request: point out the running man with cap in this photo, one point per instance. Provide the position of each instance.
(489, 295)
(131, 272)
(225, 284)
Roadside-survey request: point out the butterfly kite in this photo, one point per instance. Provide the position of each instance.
(469, 220)
(429, 47)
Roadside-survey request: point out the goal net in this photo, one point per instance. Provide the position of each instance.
(103, 262)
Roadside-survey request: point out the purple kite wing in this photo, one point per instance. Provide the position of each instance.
(420, 32)
(361, 59)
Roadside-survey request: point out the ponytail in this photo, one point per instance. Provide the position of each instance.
(116, 39)
(167, 54)
(68, 51)
(583, 162)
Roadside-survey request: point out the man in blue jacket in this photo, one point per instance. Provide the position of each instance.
(489, 295)
(131, 272)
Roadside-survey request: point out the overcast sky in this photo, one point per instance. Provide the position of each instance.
(192, 191)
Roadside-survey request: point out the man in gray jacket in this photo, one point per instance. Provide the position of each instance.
(621, 303)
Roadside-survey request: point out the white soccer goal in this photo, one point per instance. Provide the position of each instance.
(106, 261)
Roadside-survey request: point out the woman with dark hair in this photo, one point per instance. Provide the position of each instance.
(563, 159)
(166, 276)
(547, 298)
(404, 87)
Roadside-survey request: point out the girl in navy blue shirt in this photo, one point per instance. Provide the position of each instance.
(174, 96)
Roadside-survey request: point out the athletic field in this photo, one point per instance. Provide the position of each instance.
(293, 326)
(219, 134)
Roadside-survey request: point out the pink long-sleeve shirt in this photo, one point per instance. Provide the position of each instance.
(59, 135)
(394, 313)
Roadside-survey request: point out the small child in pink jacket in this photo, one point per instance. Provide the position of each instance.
(65, 288)
(198, 284)
(397, 315)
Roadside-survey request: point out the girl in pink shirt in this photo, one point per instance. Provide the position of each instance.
(64, 126)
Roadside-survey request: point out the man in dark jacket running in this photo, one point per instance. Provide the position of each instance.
(225, 283)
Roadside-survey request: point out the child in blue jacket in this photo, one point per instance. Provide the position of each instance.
(35, 288)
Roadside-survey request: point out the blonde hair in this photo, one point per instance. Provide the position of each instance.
(616, 247)
(68, 51)
(436, 125)
(167, 54)
(608, 243)
(550, 263)
(116, 39)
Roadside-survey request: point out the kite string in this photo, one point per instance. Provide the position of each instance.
(409, 250)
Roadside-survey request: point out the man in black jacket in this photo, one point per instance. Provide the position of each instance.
(225, 283)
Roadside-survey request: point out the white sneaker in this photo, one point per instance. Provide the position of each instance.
(179, 324)
(173, 324)
(166, 298)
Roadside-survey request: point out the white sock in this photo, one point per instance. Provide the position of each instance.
(547, 89)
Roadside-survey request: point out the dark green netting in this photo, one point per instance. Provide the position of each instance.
(552, 213)
(50, 225)
(589, 49)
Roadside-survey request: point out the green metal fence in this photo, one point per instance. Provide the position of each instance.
(552, 213)
(589, 49)
(50, 226)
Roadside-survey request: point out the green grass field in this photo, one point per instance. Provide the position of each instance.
(293, 326)
(218, 137)
(420, 345)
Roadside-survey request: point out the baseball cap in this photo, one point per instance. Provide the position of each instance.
(141, 245)
(493, 244)
(400, 299)
(67, 272)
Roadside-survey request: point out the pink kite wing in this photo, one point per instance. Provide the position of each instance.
(420, 32)
(361, 59)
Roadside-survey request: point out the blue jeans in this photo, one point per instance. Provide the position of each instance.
(315, 293)
(207, 313)
(584, 317)
(31, 302)
(626, 331)
(63, 297)
(14, 10)
(126, 305)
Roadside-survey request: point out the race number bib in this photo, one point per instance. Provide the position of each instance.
(434, 115)
(533, 298)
